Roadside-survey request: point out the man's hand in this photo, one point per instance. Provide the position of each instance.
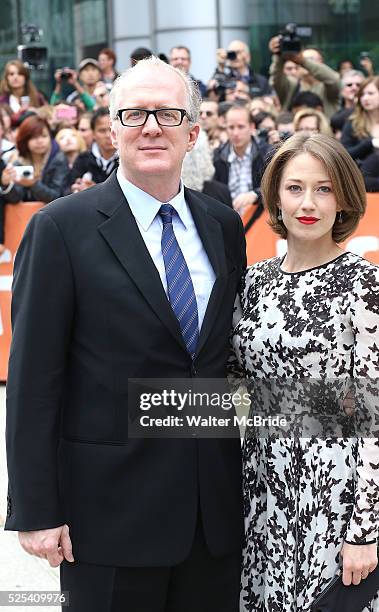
(51, 544)
(220, 58)
(358, 562)
(274, 45)
(242, 202)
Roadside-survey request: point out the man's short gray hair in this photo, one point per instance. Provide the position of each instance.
(349, 74)
(192, 90)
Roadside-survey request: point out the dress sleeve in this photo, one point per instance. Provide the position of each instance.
(363, 526)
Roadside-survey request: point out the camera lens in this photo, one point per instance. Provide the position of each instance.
(26, 173)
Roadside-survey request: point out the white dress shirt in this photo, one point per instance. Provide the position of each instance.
(145, 209)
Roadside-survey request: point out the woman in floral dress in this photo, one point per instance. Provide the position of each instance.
(311, 504)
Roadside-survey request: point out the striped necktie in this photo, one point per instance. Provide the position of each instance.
(181, 293)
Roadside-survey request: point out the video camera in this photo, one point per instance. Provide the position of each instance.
(33, 56)
(291, 35)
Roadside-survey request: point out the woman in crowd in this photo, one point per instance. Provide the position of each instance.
(17, 89)
(84, 127)
(310, 315)
(360, 134)
(312, 121)
(35, 148)
(71, 143)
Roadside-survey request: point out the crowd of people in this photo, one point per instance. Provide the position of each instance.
(53, 147)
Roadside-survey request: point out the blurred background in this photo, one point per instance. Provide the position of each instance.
(73, 29)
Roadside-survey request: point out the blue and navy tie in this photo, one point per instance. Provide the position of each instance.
(179, 283)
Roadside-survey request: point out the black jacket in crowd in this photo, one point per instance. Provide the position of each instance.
(51, 184)
(261, 154)
(222, 166)
(359, 148)
(87, 162)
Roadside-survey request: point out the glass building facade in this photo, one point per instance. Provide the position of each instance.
(73, 29)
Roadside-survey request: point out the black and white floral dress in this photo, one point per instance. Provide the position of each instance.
(305, 496)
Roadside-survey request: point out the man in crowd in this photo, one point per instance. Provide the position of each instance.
(240, 162)
(95, 166)
(314, 76)
(351, 81)
(240, 92)
(107, 62)
(84, 83)
(209, 122)
(238, 68)
(133, 278)
(180, 57)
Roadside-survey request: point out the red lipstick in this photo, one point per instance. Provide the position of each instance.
(307, 220)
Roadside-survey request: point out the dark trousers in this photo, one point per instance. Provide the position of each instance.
(201, 583)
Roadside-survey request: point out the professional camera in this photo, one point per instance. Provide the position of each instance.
(262, 134)
(291, 35)
(31, 54)
(66, 73)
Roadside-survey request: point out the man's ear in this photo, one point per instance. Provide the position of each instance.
(193, 136)
(114, 135)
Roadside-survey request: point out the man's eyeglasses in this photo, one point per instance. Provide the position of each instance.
(352, 84)
(166, 117)
(207, 113)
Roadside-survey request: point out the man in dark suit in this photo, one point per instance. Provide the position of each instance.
(100, 277)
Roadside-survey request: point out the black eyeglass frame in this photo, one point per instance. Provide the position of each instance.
(183, 113)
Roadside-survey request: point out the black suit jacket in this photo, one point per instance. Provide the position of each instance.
(89, 311)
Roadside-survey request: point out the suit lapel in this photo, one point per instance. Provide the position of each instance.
(211, 235)
(121, 232)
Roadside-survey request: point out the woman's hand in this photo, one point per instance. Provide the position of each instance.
(358, 562)
(8, 175)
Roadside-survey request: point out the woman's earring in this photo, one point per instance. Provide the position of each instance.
(280, 214)
(340, 219)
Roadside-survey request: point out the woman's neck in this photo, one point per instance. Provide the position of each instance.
(373, 116)
(305, 254)
(71, 157)
(17, 92)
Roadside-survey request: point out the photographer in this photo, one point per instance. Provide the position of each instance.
(314, 75)
(234, 65)
(84, 82)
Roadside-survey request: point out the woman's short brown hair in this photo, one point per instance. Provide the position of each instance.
(30, 128)
(346, 178)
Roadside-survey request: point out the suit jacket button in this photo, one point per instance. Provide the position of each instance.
(193, 370)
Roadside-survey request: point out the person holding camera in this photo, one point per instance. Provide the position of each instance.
(234, 65)
(38, 169)
(313, 76)
(84, 83)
